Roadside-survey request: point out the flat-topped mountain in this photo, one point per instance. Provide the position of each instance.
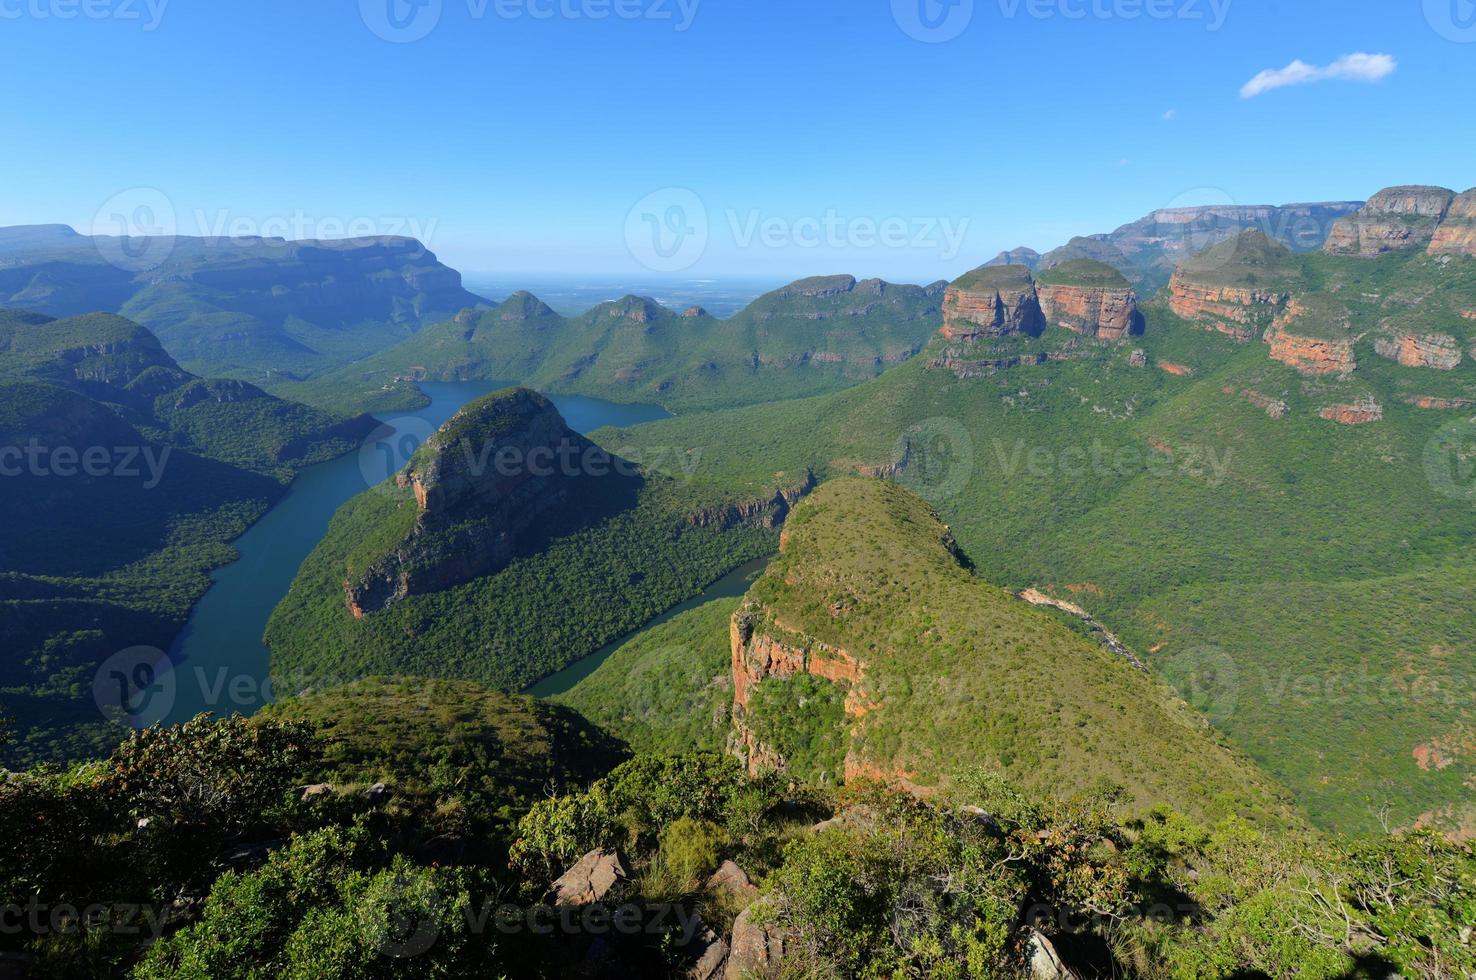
(1409, 217)
(1148, 250)
(814, 335)
(1090, 298)
(248, 307)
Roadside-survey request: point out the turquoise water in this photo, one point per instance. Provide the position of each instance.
(730, 586)
(219, 661)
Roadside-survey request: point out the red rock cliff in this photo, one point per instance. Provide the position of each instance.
(1093, 311)
(1394, 219)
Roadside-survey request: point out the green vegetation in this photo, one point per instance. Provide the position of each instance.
(997, 277)
(111, 554)
(588, 586)
(241, 307)
(668, 689)
(951, 670)
(1083, 272)
(1137, 494)
(813, 336)
(1248, 261)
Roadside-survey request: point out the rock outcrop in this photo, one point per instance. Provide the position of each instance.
(1090, 298)
(483, 484)
(1230, 310)
(1313, 335)
(1427, 350)
(1394, 219)
(590, 879)
(992, 301)
(758, 946)
(763, 511)
(761, 649)
(1457, 233)
(1361, 412)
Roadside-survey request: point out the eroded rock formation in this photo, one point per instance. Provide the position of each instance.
(1394, 219)
(1094, 311)
(1457, 233)
(994, 301)
(1314, 338)
(1231, 310)
(1428, 350)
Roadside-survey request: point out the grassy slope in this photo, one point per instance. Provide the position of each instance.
(1245, 506)
(667, 690)
(963, 673)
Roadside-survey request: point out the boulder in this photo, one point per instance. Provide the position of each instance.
(757, 948)
(589, 880)
(1045, 962)
(729, 879)
(316, 790)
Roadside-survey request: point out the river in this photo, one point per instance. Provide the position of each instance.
(219, 661)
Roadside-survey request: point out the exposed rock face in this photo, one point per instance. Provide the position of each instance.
(1430, 350)
(1457, 233)
(1435, 402)
(758, 948)
(993, 301)
(819, 287)
(1045, 962)
(1229, 309)
(1093, 311)
(694, 313)
(589, 880)
(1313, 339)
(768, 512)
(758, 654)
(1394, 219)
(1274, 407)
(481, 484)
(1361, 412)
(731, 880)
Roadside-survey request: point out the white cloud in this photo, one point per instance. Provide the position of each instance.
(1170, 115)
(1350, 67)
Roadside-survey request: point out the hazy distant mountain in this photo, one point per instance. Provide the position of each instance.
(254, 308)
(1148, 250)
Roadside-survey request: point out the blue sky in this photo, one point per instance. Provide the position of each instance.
(516, 143)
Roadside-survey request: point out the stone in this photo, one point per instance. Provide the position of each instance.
(1394, 219)
(757, 949)
(589, 880)
(1045, 962)
(729, 879)
(316, 790)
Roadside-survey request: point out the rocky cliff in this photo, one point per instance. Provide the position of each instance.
(1238, 287)
(1457, 232)
(491, 480)
(1394, 219)
(1428, 350)
(1314, 336)
(1090, 298)
(992, 301)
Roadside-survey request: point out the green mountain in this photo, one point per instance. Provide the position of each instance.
(261, 309)
(1266, 496)
(508, 548)
(125, 479)
(813, 336)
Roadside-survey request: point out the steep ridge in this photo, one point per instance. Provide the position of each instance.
(867, 649)
(262, 309)
(812, 336)
(1090, 298)
(489, 483)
